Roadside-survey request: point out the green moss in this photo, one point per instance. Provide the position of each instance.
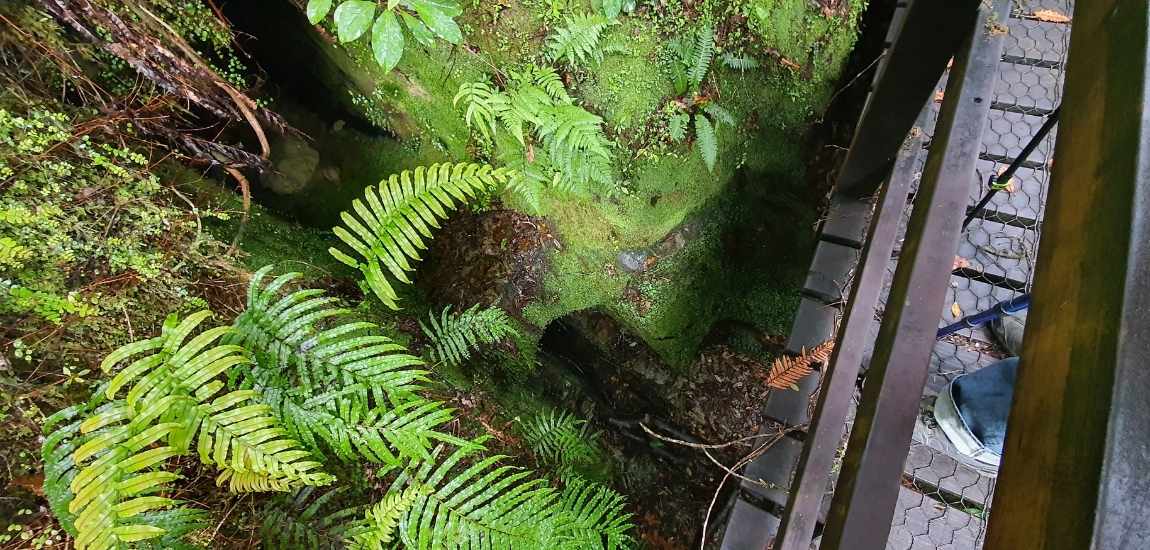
(662, 186)
(624, 89)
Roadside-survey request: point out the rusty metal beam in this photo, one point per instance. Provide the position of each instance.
(867, 490)
(1076, 466)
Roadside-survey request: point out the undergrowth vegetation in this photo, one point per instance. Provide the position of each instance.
(295, 388)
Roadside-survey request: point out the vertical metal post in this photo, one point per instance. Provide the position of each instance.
(1076, 466)
(868, 487)
(932, 32)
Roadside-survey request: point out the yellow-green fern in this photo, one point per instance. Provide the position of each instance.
(389, 226)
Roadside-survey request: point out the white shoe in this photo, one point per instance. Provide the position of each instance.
(940, 427)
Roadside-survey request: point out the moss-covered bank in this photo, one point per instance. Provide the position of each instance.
(756, 187)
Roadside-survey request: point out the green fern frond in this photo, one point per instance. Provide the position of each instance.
(591, 516)
(345, 389)
(391, 227)
(578, 41)
(454, 335)
(708, 142)
(484, 105)
(306, 519)
(569, 130)
(178, 382)
(560, 439)
(703, 51)
(739, 62)
(378, 526)
(719, 113)
(481, 505)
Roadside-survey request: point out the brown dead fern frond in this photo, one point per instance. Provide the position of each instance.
(786, 371)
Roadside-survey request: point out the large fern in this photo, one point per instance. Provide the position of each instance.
(578, 40)
(454, 335)
(462, 501)
(389, 226)
(112, 461)
(343, 390)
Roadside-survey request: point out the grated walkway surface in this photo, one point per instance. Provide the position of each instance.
(943, 503)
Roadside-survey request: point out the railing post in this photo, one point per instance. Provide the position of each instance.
(1076, 466)
(931, 33)
(868, 487)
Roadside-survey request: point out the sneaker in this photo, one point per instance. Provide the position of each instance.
(939, 427)
(1009, 330)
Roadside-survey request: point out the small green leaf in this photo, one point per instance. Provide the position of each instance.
(611, 8)
(317, 10)
(387, 40)
(353, 18)
(449, 7)
(420, 31)
(441, 24)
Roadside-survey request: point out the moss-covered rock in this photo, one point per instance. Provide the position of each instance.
(662, 184)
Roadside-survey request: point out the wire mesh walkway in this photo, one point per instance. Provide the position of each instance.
(943, 504)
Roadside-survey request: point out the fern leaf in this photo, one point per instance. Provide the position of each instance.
(704, 50)
(179, 384)
(590, 515)
(483, 505)
(306, 519)
(380, 521)
(739, 62)
(560, 439)
(343, 390)
(390, 228)
(719, 113)
(677, 126)
(786, 371)
(454, 335)
(578, 41)
(484, 105)
(708, 142)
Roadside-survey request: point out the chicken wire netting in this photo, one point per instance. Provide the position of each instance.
(942, 503)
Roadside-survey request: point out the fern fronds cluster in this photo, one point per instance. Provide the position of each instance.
(560, 439)
(557, 143)
(389, 226)
(454, 335)
(341, 389)
(577, 42)
(459, 500)
(290, 381)
(176, 402)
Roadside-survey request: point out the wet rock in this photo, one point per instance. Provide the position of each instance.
(633, 261)
(294, 162)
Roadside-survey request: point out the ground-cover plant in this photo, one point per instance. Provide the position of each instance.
(265, 400)
(557, 144)
(454, 335)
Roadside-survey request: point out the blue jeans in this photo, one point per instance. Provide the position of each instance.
(983, 400)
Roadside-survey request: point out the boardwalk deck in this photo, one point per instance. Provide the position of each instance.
(942, 502)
